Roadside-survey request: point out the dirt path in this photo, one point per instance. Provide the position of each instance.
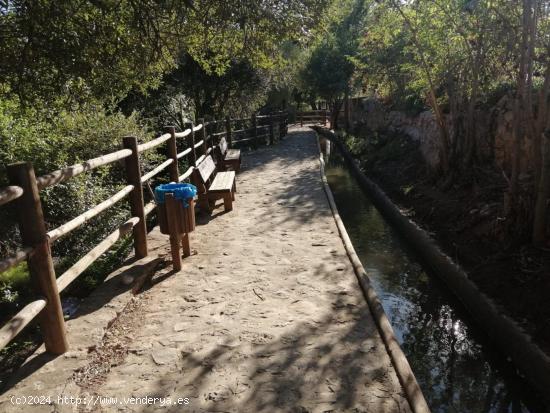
(267, 317)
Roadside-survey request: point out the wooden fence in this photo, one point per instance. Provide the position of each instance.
(313, 116)
(24, 195)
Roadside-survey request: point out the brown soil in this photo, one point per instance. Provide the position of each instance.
(468, 222)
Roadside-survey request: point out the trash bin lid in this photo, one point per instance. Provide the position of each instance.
(181, 192)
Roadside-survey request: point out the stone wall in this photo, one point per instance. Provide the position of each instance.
(494, 134)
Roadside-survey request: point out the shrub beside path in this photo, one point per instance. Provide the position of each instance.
(267, 317)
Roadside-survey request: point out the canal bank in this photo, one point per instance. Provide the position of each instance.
(472, 363)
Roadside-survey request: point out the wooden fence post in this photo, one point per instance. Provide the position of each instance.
(228, 131)
(173, 153)
(301, 120)
(285, 117)
(191, 144)
(133, 177)
(281, 127)
(203, 136)
(271, 132)
(40, 264)
(255, 127)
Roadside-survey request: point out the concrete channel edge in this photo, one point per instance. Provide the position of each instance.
(503, 332)
(406, 377)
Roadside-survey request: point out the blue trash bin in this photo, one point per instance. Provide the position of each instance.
(185, 207)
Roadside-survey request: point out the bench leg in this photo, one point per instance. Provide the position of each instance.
(186, 245)
(228, 201)
(204, 203)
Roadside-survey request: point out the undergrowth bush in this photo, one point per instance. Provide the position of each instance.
(52, 139)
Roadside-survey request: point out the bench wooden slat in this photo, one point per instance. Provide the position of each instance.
(223, 182)
(233, 154)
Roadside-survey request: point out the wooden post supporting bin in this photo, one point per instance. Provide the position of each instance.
(177, 221)
(40, 264)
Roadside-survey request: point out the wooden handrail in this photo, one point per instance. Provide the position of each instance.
(62, 175)
(184, 153)
(18, 322)
(10, 193)
(74, 223)
(157, 170)
(82, 264)
(155, 142)
(186, 174)
(183, 134)
(150, 207)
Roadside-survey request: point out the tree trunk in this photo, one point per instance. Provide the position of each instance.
(470, 146)
(519, 104)
(542, 115)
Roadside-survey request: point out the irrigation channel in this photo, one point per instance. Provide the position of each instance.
(456, 367)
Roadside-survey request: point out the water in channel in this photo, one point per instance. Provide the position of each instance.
(456, 368)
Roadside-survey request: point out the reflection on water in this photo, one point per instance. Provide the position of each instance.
(456, 370)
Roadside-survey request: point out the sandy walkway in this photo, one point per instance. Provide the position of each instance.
(267, 317)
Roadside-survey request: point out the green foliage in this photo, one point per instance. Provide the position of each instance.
(54, 139)
(99, 49)
(330, 66)
(192, 91)
(460, 48)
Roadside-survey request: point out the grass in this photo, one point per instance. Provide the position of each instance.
(13, 282)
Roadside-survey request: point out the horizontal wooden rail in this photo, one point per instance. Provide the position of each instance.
(198, 144)
(20, 321)
(186, 174)
(243, 130)
(82, 264)
(150, 207)
(184, 153)
(198, 127)
(155, 142)
(321, 111)
(65, 174)
(10, 193)
(15, 259)
(157, 170)
(183, 134)
(89, 214)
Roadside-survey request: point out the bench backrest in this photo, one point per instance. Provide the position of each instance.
(223, 146)
(206, 169)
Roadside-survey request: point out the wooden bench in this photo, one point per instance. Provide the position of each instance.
(212, 186)
(227, 158)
